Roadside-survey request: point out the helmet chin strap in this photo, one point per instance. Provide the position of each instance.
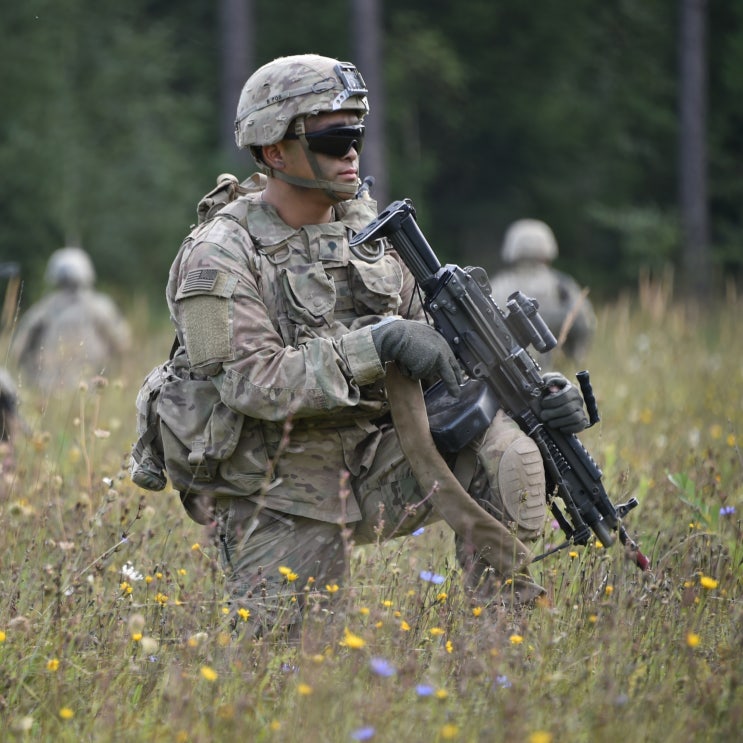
(336, 191)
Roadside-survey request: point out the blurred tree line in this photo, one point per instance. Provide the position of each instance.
(113, 125)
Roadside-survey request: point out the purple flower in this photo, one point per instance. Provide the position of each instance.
(727, 510)
(424, 690)
(427, 575)
(503, 682)
(365, 733)
(382, 667)
(418, 532)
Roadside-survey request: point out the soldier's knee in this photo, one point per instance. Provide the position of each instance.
(522, 489)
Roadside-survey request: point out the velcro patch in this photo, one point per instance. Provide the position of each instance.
(200, 280)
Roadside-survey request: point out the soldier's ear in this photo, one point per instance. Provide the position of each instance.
(273, 156)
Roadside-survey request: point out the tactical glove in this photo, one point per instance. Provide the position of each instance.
(419, 350)
(561, 405)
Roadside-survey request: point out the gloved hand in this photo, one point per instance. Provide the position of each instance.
(419, 350)
(561, 405)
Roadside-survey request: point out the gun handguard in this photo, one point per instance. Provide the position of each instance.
(491, 346)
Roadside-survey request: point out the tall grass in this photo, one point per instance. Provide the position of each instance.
(113, 623)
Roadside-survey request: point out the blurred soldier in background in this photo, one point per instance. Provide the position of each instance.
(8, 391)
(529, 247)
(71, 334)
(285, 334)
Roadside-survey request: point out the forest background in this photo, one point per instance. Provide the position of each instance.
(113, 126)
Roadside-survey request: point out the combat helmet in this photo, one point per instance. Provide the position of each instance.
(529, 240)
(285, 91)
(70, 268)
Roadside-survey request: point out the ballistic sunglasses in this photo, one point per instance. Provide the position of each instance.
(335, 141)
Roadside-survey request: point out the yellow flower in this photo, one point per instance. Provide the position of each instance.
(540, 736)
(593, 618)
(158, 575)
(477, 611)
(125, 588)
(161, 598)
(449, 732)
(244, 614)
(304, 690)
(52, 664)
(275, 725)
(516, 639)
(449, 646)
(148, 579)
(136, 636)
(66, 713)
(609, 590)
(599, 545)
(693, 639)
(332, 588)
(182, 571)
(436, 631)
(441, 693)
(442, 597)
(404, 626)
(364, 610)
(209, 673)
(706, 582)
(352, 641)
(288, 573)
(573, 554)
(387, 603)
(195, 546)
(731, 440)
(2, 636)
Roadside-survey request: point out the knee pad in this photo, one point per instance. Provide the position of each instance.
(515, 489)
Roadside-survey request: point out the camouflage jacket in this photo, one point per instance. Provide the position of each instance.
(280, 320)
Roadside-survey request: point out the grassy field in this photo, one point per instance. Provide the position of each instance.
(113, 623)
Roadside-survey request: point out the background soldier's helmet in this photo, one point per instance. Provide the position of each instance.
(529, 240)
(289, 87)
(70, 268)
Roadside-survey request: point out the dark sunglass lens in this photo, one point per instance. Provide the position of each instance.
(336, 142)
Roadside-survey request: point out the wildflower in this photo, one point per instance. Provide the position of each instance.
(442, 597)
(52, 664)
(350, 640)
(365, 733)
(436, 631)
(441, 693)
(572, 554)
(516, 639)
(609, 590)
(477, 610)
(332, 588)
(727, 510)
(244, 614)
(693, 639)
(424, 690)
(209, 673)
(418, 531)
(129, 572)
(2, 636)
(304, 690)
(540, 736)
(382, 667)
(731, 440)
(593, 618)
(275, 725)
(449, 732)
(158, 575)
(126, 588)
(449, 646)
(387, 603)
(161, 598)
(706, 582)
(288, 573)
(503, 682)
(195, 546)
(404, 626)
(148, 579)
(225, 610)
(430, 577)
(182, 571)
(136, 636)
(364, 611)
(599, 545)
(66, 713)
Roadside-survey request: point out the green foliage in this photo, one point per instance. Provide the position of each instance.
(113, 623)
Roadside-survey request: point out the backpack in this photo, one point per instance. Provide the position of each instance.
(177, 431)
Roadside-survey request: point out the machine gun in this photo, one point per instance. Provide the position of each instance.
(491, 346)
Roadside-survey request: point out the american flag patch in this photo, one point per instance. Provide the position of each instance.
(201, 280)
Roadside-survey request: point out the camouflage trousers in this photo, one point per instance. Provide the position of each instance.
(274, 561)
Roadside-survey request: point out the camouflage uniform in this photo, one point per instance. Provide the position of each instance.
(276, 324)
(528, 249)
(72, 333)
